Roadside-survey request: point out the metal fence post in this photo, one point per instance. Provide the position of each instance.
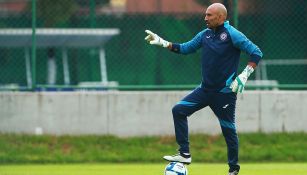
(235, 14)
(33, 45)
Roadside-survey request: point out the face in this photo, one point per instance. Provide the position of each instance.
(212, 18)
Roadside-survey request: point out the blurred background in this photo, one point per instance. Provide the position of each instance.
(58, 44)
(95, 50)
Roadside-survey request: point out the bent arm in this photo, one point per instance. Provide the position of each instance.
(244, 44)
(241, 42)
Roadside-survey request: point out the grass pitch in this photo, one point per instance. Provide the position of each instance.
(152, 169)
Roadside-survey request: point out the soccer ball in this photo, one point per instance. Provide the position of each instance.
(175, 168)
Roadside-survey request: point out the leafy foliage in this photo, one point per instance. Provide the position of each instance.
(55, 12)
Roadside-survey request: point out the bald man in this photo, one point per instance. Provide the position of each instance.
(221, 45)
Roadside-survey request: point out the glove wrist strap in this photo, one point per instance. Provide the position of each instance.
(164, 43)
(248, 70)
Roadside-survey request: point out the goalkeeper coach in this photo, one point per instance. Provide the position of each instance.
(221, 45)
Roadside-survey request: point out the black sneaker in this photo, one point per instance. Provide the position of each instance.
(234, 170)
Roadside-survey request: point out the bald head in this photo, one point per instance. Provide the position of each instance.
(219, 9)
(216, 14)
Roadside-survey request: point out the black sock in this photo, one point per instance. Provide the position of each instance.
(185, 155)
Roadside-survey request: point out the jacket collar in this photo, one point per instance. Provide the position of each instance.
(220, 27)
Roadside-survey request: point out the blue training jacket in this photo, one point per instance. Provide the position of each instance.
(220, 55)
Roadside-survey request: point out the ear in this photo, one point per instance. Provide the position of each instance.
(220, 16)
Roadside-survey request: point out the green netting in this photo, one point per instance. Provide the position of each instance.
(278, 27)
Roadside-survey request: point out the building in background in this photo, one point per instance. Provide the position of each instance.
(163, 6)
(15, 7)
(151, 6)
(12, 7)
(121, 6)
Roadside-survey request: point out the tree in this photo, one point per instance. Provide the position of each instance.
(55, 12)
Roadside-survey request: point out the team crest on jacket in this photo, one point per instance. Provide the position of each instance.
(223, 36)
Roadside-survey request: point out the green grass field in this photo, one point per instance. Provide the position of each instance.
(47, 149)
(152, 169)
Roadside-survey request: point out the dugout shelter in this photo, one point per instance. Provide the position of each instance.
(59, 38)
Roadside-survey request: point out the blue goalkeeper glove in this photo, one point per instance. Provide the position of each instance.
(238, 84)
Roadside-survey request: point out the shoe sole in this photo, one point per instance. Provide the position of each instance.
(186, 163)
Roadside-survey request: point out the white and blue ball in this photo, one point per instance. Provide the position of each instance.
(176, 168)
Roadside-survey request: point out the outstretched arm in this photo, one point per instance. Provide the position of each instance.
(184, 48)
(155, 39)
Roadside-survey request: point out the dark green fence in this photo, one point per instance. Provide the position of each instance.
(278, 27)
